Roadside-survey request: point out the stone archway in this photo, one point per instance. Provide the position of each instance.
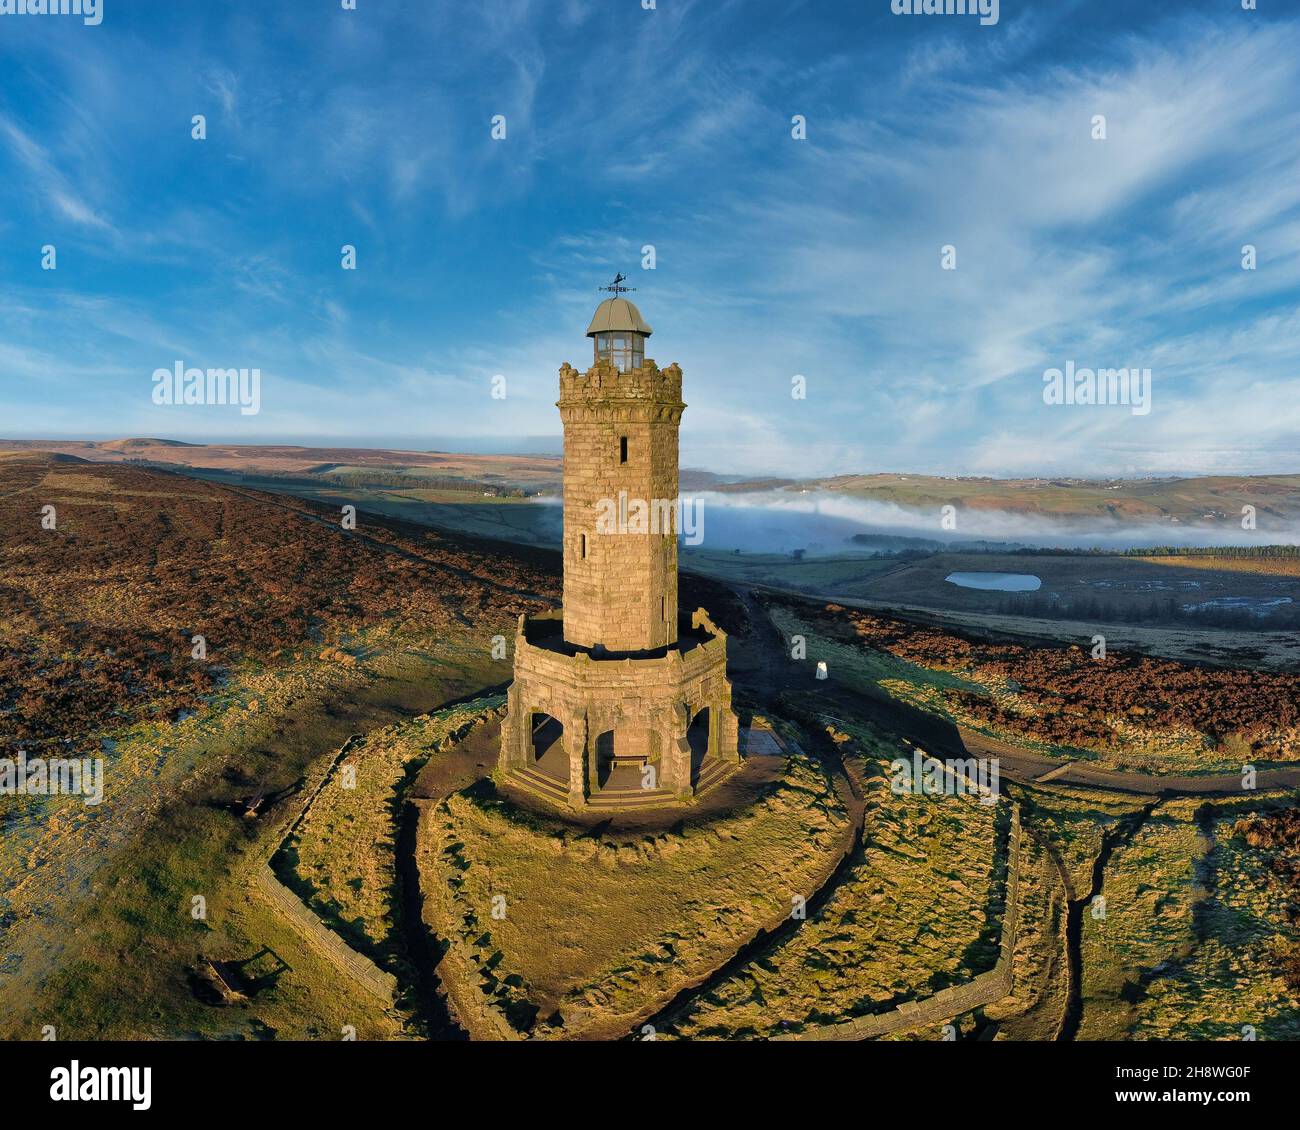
(546, 746)
(699, 736)
(603, 745)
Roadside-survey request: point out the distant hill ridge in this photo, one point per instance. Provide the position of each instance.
(125, 444)
(1220, 499)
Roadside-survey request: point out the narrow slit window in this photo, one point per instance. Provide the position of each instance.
(583, 546)
(622, 449)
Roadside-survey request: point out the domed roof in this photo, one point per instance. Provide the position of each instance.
(617, 314)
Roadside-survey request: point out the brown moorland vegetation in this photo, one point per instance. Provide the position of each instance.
(97, 615)
(1277, 834)
(1072, 695)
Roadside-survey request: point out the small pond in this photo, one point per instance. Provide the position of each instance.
(997, 582)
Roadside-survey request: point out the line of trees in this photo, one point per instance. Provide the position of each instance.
(359, 479)
(913, 551)
(1283, 618)
(1216, 551)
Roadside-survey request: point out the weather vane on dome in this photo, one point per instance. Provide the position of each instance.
(614, 288)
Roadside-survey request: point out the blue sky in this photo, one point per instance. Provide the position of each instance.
(669, 127)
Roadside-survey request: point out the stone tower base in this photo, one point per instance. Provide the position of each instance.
(587, 729)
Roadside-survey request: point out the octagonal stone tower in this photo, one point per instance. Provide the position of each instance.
(620, 458)
(618, 700)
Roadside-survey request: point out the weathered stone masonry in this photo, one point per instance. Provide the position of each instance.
(620, 451)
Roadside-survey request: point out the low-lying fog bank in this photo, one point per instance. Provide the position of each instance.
(824, 522)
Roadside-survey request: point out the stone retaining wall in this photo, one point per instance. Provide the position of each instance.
(349, 962)
(460, 971)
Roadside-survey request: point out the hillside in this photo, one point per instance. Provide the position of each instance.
(97, 616)
(368, 648)
(310, 633)
(1190, 500)
(1211, 499)
(531, 473)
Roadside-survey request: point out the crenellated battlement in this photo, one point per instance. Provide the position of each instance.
(604, 381)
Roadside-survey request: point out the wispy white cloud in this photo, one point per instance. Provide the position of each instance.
(48, 184)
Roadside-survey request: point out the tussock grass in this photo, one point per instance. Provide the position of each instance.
(601, 930)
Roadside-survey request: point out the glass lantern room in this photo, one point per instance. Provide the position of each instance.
(618, 334)
(625, 350)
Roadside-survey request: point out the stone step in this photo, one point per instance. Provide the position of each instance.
(629, 798)
(542, 783)
(715, 771)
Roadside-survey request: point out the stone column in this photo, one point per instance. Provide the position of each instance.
(515, 731)
(576, 742)
(727, 745)
(675, 767)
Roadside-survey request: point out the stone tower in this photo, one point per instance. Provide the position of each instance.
(620, 457)
(618, 700)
